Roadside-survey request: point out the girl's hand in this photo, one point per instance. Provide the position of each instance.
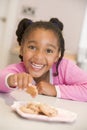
(21, 80)
(46, 89)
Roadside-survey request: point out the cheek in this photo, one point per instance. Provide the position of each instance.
(51, 61)
(26, 55)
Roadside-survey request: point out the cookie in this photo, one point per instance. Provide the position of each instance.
(32, 90)
(48, 110)
(39, 109)
(27, 110)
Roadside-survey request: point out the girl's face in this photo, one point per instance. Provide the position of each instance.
(39, 51)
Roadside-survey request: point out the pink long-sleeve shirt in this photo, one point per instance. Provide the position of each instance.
(71, 80)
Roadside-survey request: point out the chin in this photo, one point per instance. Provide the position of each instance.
(36, 76)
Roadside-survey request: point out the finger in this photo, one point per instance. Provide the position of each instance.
(40, 89)
(15, 80)
(25, 81)
(20, 81)
(30, 79)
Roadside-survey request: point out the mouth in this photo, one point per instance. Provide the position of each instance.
(37, 66)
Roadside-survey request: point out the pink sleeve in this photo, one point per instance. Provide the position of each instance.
(73, 82)
(14, 68)
(3, 87)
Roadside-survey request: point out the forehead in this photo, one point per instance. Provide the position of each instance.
(42, 32)
(40, 35)
(43, 37)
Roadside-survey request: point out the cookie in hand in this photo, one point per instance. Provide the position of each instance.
(32, 90)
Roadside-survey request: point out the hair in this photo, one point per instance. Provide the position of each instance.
(26, 26)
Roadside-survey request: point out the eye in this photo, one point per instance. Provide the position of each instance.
(49, 51)
(32, 47)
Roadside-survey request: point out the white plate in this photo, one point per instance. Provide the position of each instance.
(63, 115)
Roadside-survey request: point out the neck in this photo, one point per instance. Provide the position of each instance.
(44, 77)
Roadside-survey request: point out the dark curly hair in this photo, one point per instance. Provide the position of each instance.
(26, 26)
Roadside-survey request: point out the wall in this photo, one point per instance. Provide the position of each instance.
(70, 12)
(82, 51)
(7, 36)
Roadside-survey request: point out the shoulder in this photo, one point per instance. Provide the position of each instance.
(64, 63)
(18, 67)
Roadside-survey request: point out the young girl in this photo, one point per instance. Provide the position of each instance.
(42, 65)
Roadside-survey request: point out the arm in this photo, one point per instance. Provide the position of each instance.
(72, 81)
(11, 69)
(15, 76)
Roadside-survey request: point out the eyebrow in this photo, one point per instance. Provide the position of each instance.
(32, 41)
(52, 46)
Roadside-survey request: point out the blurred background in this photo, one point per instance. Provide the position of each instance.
(73, 14)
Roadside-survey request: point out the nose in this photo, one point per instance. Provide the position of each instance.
(39, 55)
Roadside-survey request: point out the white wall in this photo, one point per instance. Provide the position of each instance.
(82, 49)
(10, 8)
(70, 12)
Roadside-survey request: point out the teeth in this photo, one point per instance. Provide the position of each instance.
(37, 66)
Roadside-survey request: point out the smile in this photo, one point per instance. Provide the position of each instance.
(37, 66)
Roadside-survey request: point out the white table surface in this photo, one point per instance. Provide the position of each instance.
(10, 120)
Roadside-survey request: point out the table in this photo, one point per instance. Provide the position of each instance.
(10, 120)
